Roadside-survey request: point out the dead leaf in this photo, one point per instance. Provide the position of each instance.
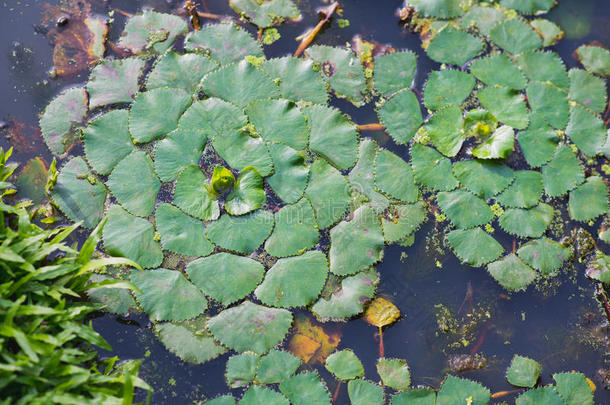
(381, 312)
(312, 342)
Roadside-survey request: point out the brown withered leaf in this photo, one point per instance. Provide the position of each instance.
(24, 138)
(312, 342)
(80, 38)
(32, 181)
(367, 51)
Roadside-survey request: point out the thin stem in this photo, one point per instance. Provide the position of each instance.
(259, 35)
(370, 127)
(336, 393)
(501, 394)
(381, 349)
(209, 15)
(122, 12)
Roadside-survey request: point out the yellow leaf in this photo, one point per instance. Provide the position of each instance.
(381, 312)
(311, 342)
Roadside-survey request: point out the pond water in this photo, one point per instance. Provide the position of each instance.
(556, 324)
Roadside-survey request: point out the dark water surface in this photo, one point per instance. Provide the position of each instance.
(556, 325)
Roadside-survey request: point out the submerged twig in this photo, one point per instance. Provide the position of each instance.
(477, 346)
(327, 13)
(191, 11)
(501, 394)
(467, 298)
(209, 15)
(370, 127)
(122, 12)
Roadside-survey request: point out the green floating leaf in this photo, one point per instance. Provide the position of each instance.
(224, 123)
(549, 102)
(549, 31)
(445, 129)
(362, 176)
(482, 17)
(464, 209)
(114, 81)
(107, 141)
(180, 149)
(276, 366)
(589, 200)
(328, 192)
(474, 246)
(442, 47)
(586, 130)
(402, 220)
(595, 59)
(305, 389)
(60, 118)
(437, 8)
(394, 71)
(527, 223)
(538, 145)
(155, 113)
(167, 295)
(588, 90)
(394, 373)
(134, 184)
(333, 136)
(298, 79)
(515, 36)
(523, 372)
(542, 395)
(562, 173)
(241, 369)
(528, 6)
(342, 69)
(544, 254)
(227, 83)
(431, 169)
(225, 277)
(511, 272)
(266, 13)
(256, 395)
(279, 121)
(242, 234)
(506, 104)
(499, 70)
(479, 123)
(419, 396)
(248, 193)
(76, 196)
(394, 177)
(498, 146)
(250, 327)
(225, 42)
(290, 176)
(223, 399)
(180, 71)
(294, 281)
(128, 236)
(152, 31)
(190, 341)
(295, 230)
(573, 388)
(456, 390)
(483, 178)
(356, 244)
(181, 233)
(447, 87)
(115, 300)
(344, 365)
(364, 392)
(524, 192)
(544, 67)
(349, 299)
(192, 196)
(401, 116)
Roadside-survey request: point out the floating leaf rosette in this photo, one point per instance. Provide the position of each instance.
(234, 173)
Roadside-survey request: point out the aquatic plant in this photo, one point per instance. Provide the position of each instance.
(234, 168)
